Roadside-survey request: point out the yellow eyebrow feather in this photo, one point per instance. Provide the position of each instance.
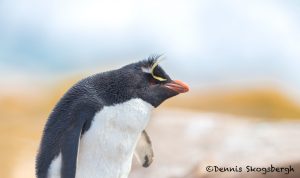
(153, 67)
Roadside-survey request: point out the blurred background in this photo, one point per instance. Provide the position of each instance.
(240, 58)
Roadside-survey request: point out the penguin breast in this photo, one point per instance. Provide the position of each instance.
(106, 149)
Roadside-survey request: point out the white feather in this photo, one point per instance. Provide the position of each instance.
(146, 70)
(54, 168)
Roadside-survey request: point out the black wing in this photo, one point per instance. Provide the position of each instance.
(84, 113)
(61, 135)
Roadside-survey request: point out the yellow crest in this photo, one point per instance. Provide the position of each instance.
(155, 65)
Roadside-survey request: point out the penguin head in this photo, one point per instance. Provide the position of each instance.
(151, 83)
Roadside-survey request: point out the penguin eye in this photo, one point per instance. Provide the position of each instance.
(152, 81)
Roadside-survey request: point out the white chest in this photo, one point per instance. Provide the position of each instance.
(106, 149)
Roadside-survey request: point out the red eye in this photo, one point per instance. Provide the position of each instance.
(152, 81)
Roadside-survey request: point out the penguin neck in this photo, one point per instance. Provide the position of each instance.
(107, 147)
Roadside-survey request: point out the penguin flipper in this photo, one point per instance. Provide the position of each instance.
(70, 141)
(69, 151)
(144, 151)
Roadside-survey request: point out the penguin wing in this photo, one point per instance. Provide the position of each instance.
(144, 151)
(81, 119)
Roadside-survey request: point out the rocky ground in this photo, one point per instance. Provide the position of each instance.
(186, 143)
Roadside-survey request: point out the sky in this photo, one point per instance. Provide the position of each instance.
(206, 42)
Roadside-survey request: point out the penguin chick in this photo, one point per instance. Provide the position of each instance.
(93, 130)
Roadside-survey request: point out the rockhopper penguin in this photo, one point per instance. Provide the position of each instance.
(96, 127)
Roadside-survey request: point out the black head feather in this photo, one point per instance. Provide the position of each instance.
(131, 81)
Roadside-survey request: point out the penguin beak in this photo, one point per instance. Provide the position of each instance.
(177, 86)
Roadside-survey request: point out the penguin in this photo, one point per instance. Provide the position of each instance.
(99, 123)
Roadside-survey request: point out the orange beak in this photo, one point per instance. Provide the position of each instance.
(178, 86)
